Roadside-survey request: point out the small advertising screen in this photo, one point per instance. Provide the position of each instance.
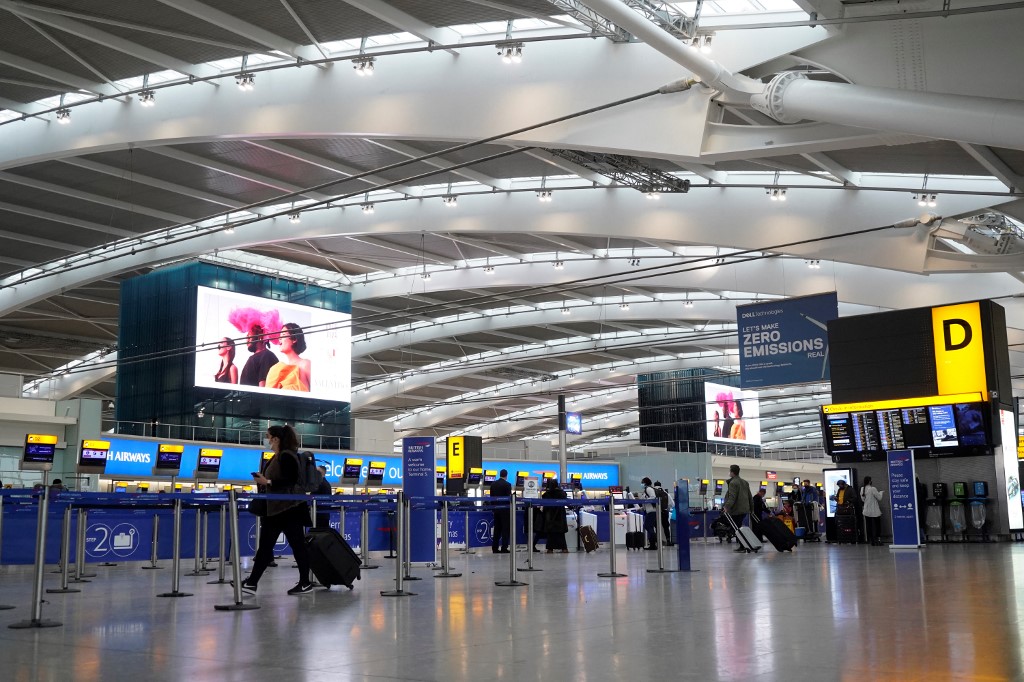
(439, 473)
(375, 474)
(351, 470)
(1011, 470)
(733, 415)
(832, 478)
(521, 477)
(574, 423)
(547, 475)
(169, 456)
(39, 448)
(719, 485)
(475, 476)
(209, 460)
(93, 453)
(704, 483)
(943, 426)
(490, 476)
(258, 345)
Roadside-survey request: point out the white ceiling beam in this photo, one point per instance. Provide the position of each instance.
(64, 220)
(830, 165)
(406, 22)
(56, 75)
(441, 163)
(20, 107)
(228, 169)
(61, 190)
(172, 187)
(331, 165)
(305, 29)
(397, 248)
(519, 11)
(994, 165)
(232, 23)
(486, 246)
(788, 168)
(95, 35)
(39, 241)
(571, 245)
(706, 172)
(570, 167)
(330, 257)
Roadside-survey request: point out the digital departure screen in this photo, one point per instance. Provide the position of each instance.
(935, 428)
(375, 474)
(169, 456)
(352, 470)
(209, 460)
(39, 448)
(93, 453)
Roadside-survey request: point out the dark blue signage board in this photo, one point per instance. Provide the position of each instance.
(418, 484)
(903, 495)
(786, 341)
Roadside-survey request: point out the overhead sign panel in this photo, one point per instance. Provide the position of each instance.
(785, 342)
(959, 348)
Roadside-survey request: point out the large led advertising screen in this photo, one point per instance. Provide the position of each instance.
(248, 343)
(732, 415)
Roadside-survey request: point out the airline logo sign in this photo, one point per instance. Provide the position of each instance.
(959, 349)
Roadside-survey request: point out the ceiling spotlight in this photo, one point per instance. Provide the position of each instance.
(688, 304)
(814, 264)
(559, 265)
(510, 53)
(566, 311)
(425, 276)
(932, 200)
(653, 194)
(63, 116)
(245, 81)
(623, 306)
(450, 200)
(489, 269)
(367, 208)
(401, 379)
(200, 413)
(147, 98)
(702, 42)
(230, 229)
(775, 193)
(544, 196)
(634, 261)
(363, 65)
(295, 218)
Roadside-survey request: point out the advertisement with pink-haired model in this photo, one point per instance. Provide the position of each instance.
(733, 415)
(248, 343)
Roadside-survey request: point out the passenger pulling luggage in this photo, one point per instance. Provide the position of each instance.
(331, 559)
(635, 537)
(744, 535)
(778, 533)
(846, 529)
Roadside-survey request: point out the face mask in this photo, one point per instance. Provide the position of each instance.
(266, 442)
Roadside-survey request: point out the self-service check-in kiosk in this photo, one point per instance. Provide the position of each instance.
(208, 464)
(168, 461)
(474, 482)
(375, 474)
(521, 477)
(351, 472)
(39, 452)
(439, 480)
(490, 476)
(92, 457)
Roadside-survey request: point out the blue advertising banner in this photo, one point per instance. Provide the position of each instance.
(419, 482)
(681, 502)
(785, 342)
(903, 493)
(133, 459)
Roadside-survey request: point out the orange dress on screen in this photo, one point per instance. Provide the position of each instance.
(288, 377)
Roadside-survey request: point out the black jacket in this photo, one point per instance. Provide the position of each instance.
(501, 488)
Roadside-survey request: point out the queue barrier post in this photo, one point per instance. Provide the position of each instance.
(236, 563)
(364, 539)
(469, 549)
(36, 621)
(661, 545)
(83, 526)
(198, 570)
(154, 544)
(399, 590)
(222, 557)
(406, 541)
(176, 556)
(612, 569)
(206, 541)
(3, 607)
(65, 549)
(529, 539)
(445, 564)
(513, 576)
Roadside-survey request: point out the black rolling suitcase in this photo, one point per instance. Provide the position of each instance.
(635, 538)
(333, 562)
(846, 529)
(777, 533)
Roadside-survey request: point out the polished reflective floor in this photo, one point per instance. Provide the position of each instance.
(948, 612)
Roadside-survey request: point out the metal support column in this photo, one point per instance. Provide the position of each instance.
(612, 570)
(661, 545)
(65, 553)
(154, 545)
(399, 590)
(36, 621)
(445, 565)
(406, 540)
(198, 570)
(513, 577)
(236, 563)
(83, 526)
(222, 558)
(176, 557)
(364, 540)
(529, 539)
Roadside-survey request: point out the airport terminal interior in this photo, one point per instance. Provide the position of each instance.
(590, 229)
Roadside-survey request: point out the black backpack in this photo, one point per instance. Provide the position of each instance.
(310, 477)
(663, 499)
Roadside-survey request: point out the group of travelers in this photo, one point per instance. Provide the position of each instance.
(549, 522)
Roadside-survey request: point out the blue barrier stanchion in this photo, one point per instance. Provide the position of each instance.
(682, 500)
(613, 570)
(3, 607)
(661, 547)
(36, 621)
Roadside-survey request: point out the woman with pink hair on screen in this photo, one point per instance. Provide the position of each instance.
(292, 373)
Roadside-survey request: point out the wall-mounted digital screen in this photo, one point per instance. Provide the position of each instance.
(574, 423)
(39, 448)
(209, 460)
(733, 415)
(439, 474)
(832, 478)
(375, 473)
(93, 453)
(1011, 470)
(248, 343)
(936, 429)
(169, 456)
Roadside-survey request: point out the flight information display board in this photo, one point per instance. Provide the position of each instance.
(935, 426)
